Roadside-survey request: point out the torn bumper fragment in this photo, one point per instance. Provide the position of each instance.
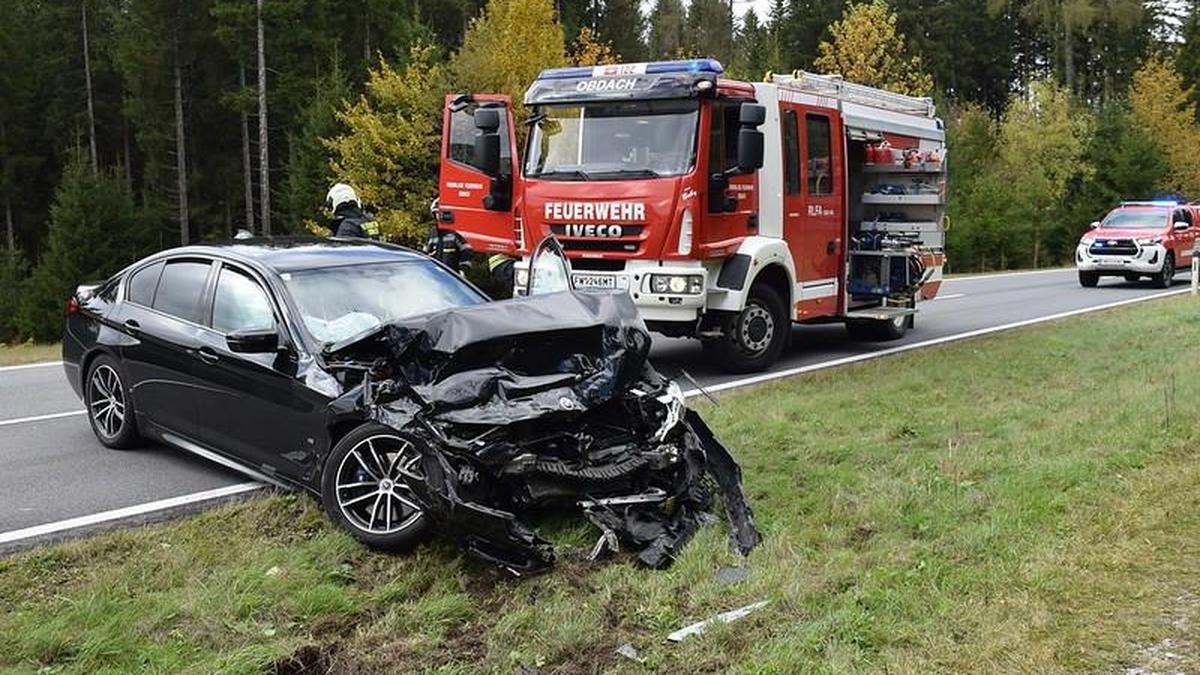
(547, 403)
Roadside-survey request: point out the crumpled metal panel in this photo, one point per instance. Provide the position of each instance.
(547, 402)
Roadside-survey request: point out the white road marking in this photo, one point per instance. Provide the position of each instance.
(1002, 275)
(27, 366)
(40, 418)
(126, 512)
(856, 358)
(950, 297)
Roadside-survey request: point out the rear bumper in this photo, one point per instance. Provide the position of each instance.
(1147, 260)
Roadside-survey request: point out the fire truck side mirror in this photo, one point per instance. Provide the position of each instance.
(1094, 225)
(749, 150)
(487, 141)
(752, 115)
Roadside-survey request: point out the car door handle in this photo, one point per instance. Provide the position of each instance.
(207, 355)
(132, 325)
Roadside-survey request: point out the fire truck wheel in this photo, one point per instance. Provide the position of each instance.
(753, 338)
(1164, 278)
(1089, 279)
(879, 331)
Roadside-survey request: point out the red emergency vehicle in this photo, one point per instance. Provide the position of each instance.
(726, 209)
(1139, 239)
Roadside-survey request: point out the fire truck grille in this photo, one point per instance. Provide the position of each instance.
(592, 238)
(615, 245)
(1124, 247)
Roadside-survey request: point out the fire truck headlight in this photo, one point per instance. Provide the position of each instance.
(685, 232)
(1149, 241)
(521, 277)
(677, 284)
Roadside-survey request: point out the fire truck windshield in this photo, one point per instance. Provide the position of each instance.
(613, 141)
(1136, 219)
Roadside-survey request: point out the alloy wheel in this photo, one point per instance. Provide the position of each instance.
(106, 398)
(372, 484)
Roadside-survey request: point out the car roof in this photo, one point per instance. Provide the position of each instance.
(291, 254)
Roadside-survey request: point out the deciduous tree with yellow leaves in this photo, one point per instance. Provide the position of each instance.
(867, 48)
(390, 147)
(1161, 105)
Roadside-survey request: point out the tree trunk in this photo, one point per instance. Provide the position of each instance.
(180, 148)
(128, 154)
(264, 165)
(87, 76)
(247, 169)
(10, 229)
(366, 37)
(1068, 56)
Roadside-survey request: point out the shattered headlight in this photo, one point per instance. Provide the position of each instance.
(673, 405)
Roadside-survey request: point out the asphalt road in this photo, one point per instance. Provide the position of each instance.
(53, 469)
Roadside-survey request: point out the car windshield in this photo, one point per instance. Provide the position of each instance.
(1140, 219)
(337, 303)
(610, 141)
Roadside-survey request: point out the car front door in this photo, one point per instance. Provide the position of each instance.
(161, 313)
(255, 408)
(1185, 240)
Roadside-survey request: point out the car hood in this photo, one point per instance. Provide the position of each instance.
(512, 360)
(1119, 234)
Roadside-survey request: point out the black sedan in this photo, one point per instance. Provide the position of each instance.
(380, 380)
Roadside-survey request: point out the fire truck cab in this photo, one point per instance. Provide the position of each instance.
(1139, 239)
(727, 210)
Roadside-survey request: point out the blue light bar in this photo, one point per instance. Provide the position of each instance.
(692, 66)
(1156, 202)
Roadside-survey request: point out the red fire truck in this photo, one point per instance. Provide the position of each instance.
(726, 209)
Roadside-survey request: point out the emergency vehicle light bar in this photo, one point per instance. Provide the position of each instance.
(695, 66)
(1156, 202)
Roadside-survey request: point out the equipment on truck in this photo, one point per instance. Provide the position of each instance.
(727, 210)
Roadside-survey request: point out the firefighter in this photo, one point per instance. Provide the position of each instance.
(502, 268)
(348, 217)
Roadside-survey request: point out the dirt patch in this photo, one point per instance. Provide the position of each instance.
(307, 660)
(1178, 653)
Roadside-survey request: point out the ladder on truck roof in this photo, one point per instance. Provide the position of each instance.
(835, 87)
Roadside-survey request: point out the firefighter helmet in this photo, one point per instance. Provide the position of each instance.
(339, 194)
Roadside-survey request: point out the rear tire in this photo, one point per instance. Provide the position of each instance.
(109, 407)
(365, 487)
(1133, 278)
(752, 339)
(1167, 275)
(1089, 279)
(879, 330)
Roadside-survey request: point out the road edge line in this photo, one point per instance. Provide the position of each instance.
(945, 339)
(40, 418)
(27, 366)
(81, 523)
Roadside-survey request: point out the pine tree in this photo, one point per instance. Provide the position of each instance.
(622, 24)
(666, 29)
(87, 241)
(753, 56)
(709, 29)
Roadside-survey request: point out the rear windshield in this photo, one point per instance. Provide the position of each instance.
(338, 303)
(1136, 219)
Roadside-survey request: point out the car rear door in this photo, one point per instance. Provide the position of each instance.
(254, 408)
(1185, 240)
(479, 207)
(161, 312)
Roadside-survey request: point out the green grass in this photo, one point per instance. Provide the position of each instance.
(1028, 502)
(28, 352)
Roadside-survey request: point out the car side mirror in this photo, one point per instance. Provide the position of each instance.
(1181, 225)
(253, 341)
(1094, 225)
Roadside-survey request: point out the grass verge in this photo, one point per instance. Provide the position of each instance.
(28, 352)
(1026, 502)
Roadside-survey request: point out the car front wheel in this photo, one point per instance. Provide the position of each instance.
(1089, 279)
(109, 406)
(366, 487)
(1164, 278)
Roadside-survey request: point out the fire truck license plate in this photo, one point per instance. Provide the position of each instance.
(594, 281)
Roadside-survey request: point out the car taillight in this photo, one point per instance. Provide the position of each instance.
(72, 305)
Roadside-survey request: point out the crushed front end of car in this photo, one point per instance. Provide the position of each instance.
(546, 403)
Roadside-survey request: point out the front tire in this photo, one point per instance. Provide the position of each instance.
(752, 339)
(109, 407)
(1133, 278)
(1167, 275)
(365, 487)
(1089, 279)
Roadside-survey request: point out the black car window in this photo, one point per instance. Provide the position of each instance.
(240, 303)
(142, 284)
(180, 288)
